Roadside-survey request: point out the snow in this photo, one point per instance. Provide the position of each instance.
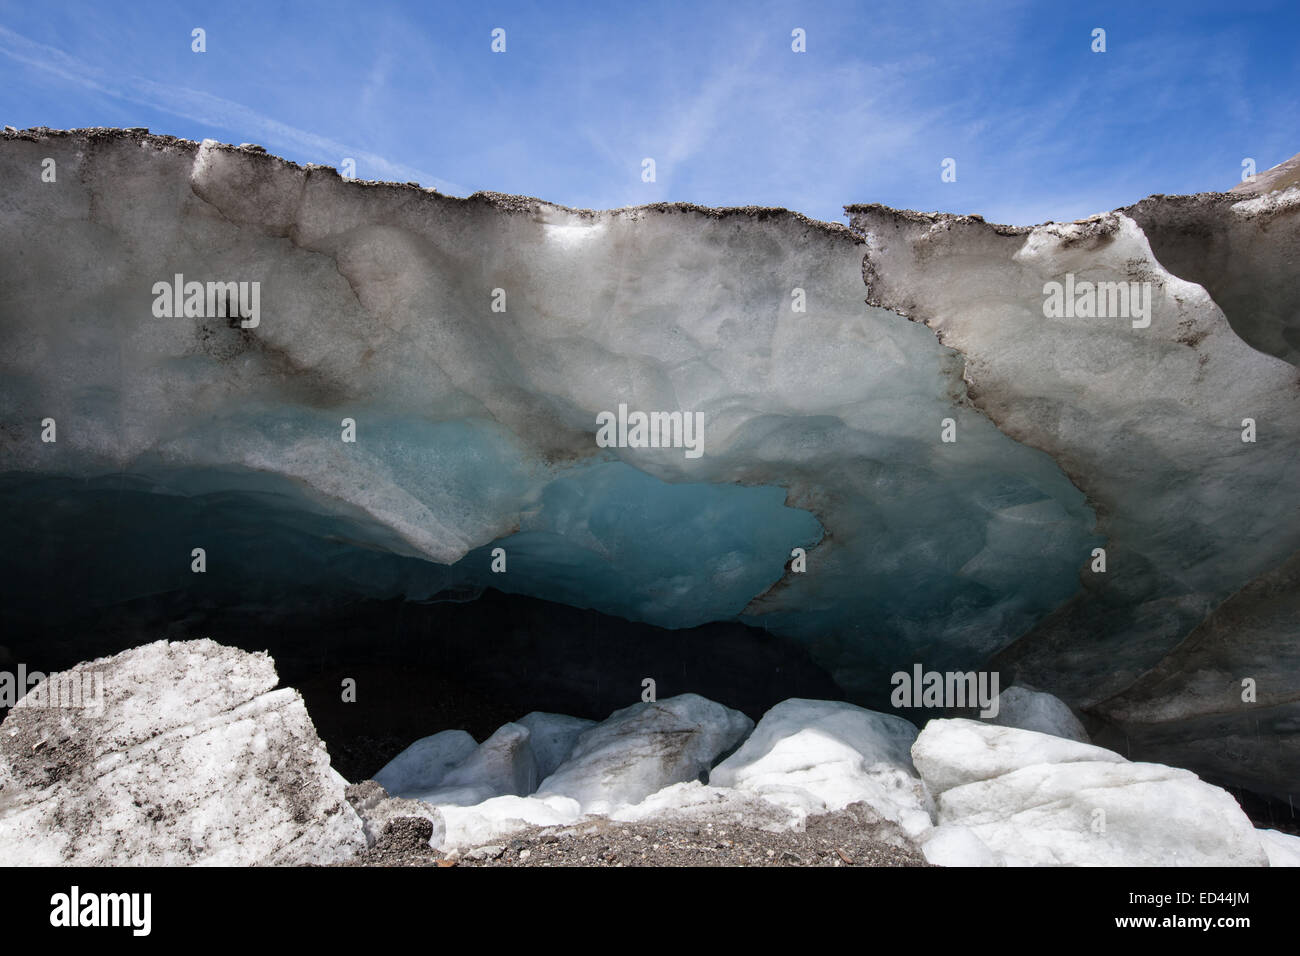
(500, 816)
(698, 803)
(816, 756)
(948, 845)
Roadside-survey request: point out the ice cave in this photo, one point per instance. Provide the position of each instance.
(392, 476)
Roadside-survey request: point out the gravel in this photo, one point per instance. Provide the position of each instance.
(854, 836)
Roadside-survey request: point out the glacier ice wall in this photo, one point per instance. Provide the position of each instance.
(1148, 422)
(475, 425)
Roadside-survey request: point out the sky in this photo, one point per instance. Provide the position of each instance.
(1039, 126)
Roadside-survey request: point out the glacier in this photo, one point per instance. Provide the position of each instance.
(474, 342)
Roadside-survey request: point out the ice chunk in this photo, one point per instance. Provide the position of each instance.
(1028, 709)
(1089, 813)
(643, 748)
(193, 759)
(551, 737)
(502, 765)
(424, 764)
(815, 756)
(949, 753)
(1283, 849)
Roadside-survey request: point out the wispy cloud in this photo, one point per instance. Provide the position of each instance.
(215, 111)
(1040, 126)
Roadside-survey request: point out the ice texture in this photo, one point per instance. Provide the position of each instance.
(1002, 796)
(552, 737)
(643, 748)
(1283, 849)
(1148, 422)
(952, 753)
(502, 765)
(1031, 799)
(817, 756)
(475, 428)
(1091, 813)
(193, 759)
(1029, 709)
(424, 764)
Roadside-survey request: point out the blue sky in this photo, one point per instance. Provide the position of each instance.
(1039, 125)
